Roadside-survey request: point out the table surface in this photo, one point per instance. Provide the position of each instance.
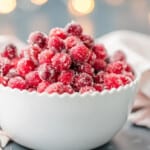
(129, 138)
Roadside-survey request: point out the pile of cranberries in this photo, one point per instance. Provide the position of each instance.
(66, 60)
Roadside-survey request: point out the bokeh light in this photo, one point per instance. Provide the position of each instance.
(114, 2)
(81, 7)
(39, 2)
(7, 6)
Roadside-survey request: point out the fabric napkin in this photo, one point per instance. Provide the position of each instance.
(136, 46)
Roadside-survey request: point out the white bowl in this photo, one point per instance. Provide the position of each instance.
(64, 122)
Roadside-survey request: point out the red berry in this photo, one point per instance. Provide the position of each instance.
(112, 81)
(74, 29)
(87, 68)
(45, 56)
(86, 89)
(100, 51)
(10, 51)
(118, 56)
(99, 65)
(3, 80)
(12, 73)
(66, 77)
(56, 44)
(42, 86)
(92, 57)
(33, 79)
(24, 66)
(71, 41)
(117, 67)
(59, 32)
(128, 68)
(99, 77)
(38, 38)
(98, 87)
(82, 80)
(87, 40)
(125, 79)
(17, 82)
(46, 72)
(61, 61)
(79, 53)
(59, 88)
(130, 75)
(14, 62)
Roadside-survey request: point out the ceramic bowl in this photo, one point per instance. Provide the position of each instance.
(64, 122)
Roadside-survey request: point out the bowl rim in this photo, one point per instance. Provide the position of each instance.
(104, 92)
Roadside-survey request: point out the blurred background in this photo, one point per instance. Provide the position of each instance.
(98, 17)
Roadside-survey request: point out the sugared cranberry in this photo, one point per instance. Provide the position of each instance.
(56, 44)
(42, 86)
(87, 40)
(112, 81)
(33, 79)
(99, 77)
(92, 57)
(71, 41)
(59, 88)
(45, 56)
(74, 29)
(87, 68)
(118, 56)
(61, 61)
(38, 38)
(10, 51)
(82, 80)
(12, 73)
(99, 65)
(17, 82)
(116, 67)
(3, 80)
(98, 87)
(100, 51)
(46, 72)
(59, 32)
(66, 77)
(86, 89)
(24, 66)
(79, 53)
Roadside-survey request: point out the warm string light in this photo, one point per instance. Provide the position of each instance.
(81, 7)
(39, 2)
(7, 6)
(114, 2)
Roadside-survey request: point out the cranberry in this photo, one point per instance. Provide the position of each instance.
(56, 44)
(98, 87)
(24, 66)
(87, 40)
(99, 77)
(66, 77)
(45, 56)
(99, 64)
(10, 51)
(3, 80)
(42, 86)
(59, 32)
(74, 29)
(61, 61)
(17, 82)
(86, 89)
(100, 51)
(79, 53)
(92, 57)
(118, 56)
(38, 38)
(33, 79)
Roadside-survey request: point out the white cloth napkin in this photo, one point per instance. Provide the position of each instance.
(136, 46)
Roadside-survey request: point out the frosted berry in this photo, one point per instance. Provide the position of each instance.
(118, 56)
(59, 32)
(99, 65)
(61, 61)
(42, 86)
(45, 56)
(38, 38)
(24, 66)
(87, 89)
(79, 53)
(10, 51)
(99, 77)
(92, 57)
(98, 87)
(74, 29)
(66, 77)
(33, 79)
(100, 51)
(87, 40)
(17, 82)
(56, 44)
(3, 80)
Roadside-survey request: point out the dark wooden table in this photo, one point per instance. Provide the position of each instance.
(129, 138)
